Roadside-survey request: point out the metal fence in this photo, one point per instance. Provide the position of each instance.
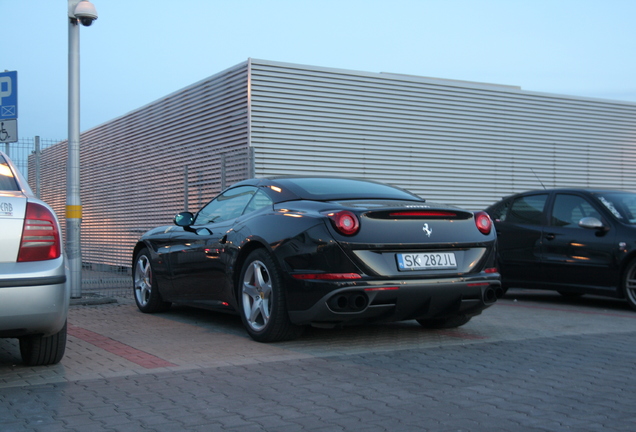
(125, 196)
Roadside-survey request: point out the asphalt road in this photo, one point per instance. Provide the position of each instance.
(533, 362)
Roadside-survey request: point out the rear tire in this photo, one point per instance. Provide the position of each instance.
(629, 284)
(145, 288)
(37, 350)
(262, 303)
(444, 323)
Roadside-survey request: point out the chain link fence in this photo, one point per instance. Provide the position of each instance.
(126, 189)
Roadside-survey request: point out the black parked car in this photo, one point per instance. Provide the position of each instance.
(295, 251)
(574, 241)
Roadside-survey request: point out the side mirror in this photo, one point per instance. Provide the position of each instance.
(592, 223)
(184, 219)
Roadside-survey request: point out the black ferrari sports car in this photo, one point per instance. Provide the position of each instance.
(288, 252)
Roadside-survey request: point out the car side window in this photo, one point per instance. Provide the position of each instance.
(500, 212)
(228, 205)
(568, 210)
(527, 210)
(259, 200)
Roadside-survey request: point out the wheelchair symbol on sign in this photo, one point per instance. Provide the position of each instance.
(4, 135)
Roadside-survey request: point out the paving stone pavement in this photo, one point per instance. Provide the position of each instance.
(532, 362)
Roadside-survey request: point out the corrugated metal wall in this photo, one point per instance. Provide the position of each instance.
(456, 142)
(460, 143)
(133, 168)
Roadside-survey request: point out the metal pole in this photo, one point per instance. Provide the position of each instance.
(222, 171)
(37, 166)
(73, 203)
(186, 189)
(251, 163)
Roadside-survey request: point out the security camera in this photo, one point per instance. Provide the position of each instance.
(85, 12)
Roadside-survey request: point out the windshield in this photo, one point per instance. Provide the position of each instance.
(621, 204)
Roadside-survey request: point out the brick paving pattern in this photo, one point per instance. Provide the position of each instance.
(531, 363)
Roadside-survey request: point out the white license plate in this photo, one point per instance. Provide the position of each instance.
(426, 261)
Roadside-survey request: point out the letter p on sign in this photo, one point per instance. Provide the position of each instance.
(6, 87)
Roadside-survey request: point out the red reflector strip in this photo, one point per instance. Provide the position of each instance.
(491, 270)
(382, 289)
(423, 213)
(478, 284)
(327, 276)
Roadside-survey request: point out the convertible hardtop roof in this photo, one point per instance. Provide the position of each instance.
(325, 188)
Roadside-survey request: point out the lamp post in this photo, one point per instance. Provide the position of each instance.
(79, 11)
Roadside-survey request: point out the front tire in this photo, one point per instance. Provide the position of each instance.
(145, 288)
(37, 350)
(629, 284)
(262, 300)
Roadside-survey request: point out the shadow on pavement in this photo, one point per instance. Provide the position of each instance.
(547, 297)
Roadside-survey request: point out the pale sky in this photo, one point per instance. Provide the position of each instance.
(141, 50)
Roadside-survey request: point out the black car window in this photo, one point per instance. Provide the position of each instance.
(568, 210)
(7, 181)
(499, 211)
(527, 210)
(259, 201)
(228, 205)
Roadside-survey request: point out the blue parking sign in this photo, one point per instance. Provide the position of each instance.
(9, 95)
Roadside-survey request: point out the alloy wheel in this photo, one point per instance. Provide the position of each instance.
(630, 285)
(257, 295)
(143, 280)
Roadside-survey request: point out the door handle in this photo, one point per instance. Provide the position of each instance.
(550, 236)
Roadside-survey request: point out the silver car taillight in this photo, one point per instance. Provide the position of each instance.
(40, 235)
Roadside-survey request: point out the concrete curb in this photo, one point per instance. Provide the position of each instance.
(92, 299)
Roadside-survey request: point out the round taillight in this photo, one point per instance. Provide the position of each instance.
(483, 222)
(345, 222)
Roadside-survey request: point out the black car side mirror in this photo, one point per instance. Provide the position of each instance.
(184, 219)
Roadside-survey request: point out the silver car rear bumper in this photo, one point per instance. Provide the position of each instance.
(34, 297)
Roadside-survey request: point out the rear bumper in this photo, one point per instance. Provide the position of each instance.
(388, 301)
(34, 298)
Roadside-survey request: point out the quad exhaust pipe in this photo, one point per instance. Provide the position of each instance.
(499, 292)
(492, 294)
(349, 302)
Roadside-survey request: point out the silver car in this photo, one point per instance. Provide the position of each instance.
(34, 293)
